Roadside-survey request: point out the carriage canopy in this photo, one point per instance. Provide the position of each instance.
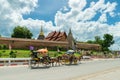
(70, 52)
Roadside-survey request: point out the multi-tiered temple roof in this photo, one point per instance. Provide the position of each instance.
(56, 36)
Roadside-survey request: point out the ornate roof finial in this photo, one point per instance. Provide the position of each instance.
(71, 40)
(41, 35)
(41, 31)
(70, 32)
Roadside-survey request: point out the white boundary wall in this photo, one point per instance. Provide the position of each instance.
(14, 61)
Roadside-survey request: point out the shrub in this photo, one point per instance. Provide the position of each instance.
(12, 54)
(3, 46)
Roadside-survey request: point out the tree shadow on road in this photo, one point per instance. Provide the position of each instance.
(43, 67)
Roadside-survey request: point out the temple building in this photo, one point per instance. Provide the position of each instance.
(53, 39)
(41, 35)
(56, 36)
(62, 36)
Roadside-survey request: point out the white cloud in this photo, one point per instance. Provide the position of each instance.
(78, 18)
(12, 15)
(35, 25)
(114, 29)
(77, 4)
(103, 18)
(81, 23)
(110, 7)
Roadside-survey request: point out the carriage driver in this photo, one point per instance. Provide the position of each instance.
(34, 55)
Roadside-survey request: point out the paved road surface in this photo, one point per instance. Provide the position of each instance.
(88, 69)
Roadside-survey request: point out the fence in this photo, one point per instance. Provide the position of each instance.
(14, 61)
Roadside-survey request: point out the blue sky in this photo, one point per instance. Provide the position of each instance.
(46, 9)
(86, 18)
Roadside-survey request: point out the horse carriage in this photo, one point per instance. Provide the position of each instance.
(36, 60)
(70, 58)
(46, 61)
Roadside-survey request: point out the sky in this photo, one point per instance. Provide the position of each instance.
(86, 18)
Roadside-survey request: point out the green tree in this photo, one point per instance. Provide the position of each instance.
(107, 42)
(97, 39)
(21, 32)
(90, 41)
(0, 35)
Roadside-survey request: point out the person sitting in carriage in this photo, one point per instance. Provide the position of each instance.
(34, 55)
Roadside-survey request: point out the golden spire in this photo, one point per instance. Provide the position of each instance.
(41, 35)
(41, 31)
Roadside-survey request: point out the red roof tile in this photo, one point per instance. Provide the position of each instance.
(56, 36)
(51, 34)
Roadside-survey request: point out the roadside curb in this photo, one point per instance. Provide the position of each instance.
(13, 64)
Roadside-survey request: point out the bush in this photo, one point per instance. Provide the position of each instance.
(3, 46)
(3, 51)
(12, 54)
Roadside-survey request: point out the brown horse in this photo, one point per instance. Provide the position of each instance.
(45, 60)
(56, 61)
(71, 59)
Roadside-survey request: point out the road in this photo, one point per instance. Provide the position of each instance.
(87, 69)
